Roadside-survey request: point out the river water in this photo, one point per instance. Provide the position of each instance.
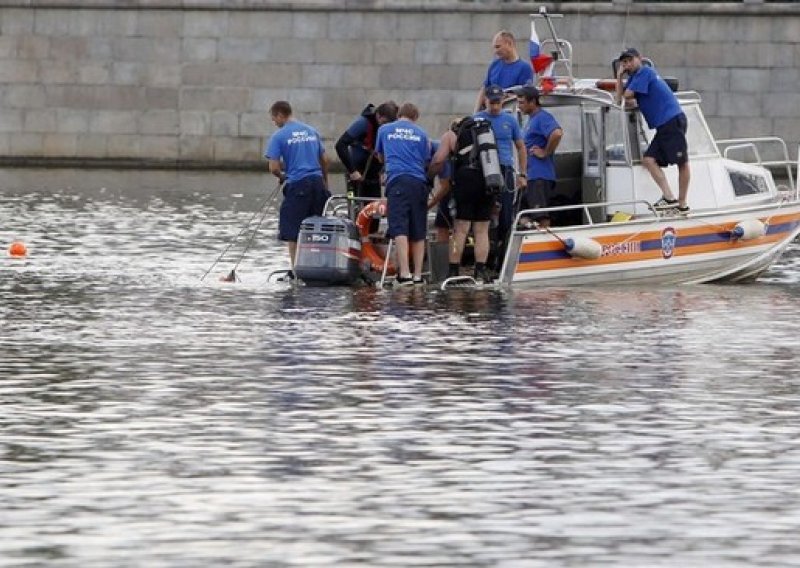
(151, 419)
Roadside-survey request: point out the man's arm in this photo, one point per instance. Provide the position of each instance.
(522, 158)
(276, 170)
(445, 147)
(323, 164)
(342, 148)
(480, 103)
(549, 148)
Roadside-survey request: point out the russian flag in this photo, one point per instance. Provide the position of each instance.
(539, 60)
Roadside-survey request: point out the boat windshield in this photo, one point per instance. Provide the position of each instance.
(698, 136)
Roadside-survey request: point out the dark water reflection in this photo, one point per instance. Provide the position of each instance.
(151, 420)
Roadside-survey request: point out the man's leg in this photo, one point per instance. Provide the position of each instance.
(418, 254)
(401, 241)
(658, 176)
(684, 175)
(459, 238)
(292, 246)
(481, 232)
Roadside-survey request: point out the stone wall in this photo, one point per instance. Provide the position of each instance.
(147, 82)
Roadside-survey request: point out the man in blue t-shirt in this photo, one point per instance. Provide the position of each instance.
(405, 150)
(661, 110)
(297, 158)
(542, 136)
(508, 135)
(506, 69)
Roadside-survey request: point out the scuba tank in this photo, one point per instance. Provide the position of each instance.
(486, 146)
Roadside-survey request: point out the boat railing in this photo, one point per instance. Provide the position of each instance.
(586, 208)
(761, 146)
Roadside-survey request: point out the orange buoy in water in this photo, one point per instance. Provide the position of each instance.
(17, 249)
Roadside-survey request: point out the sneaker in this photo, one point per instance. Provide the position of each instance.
(419, 281)
(400, 281)
(482, 276)
(664, 203)
(453, 270)
(683, 210)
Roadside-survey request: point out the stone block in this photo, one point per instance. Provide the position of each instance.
(51, 23)
(431, 51)
(93, 74)
(665, 54)
(99, 49)
(749, 80)
(210, 99)
(5, 144)
(213, 74)
(277, 75)
(708, 79)
(72, 121)
(602, 27)
(198, 49)
(783, 80)
(684, 29)
(42, 120)
(293, 51)
(27, 144)
(159, 98)
(160, 122)
(380, 25)
(142, 49)
(23, 96)
(120, 22)
(484, 26)
(593, 53)
(788, 128)
(740, 104)
(196, 148)
(412, 26)
(455, 26)
(11, 120)
(17, 22)
(61, 145)
(212, 24)
(471, 78)
(54, 73)
(393, 51)
(237, 149)
(20, 71)
(774, 55)
(702, 54)
(160, 147)
(320, 76)
(345, 25)
(113, 122)
(124, 146)
(342, 51)
(309, 25)
(270, 24)
(92, 146)
(407, 77)
(715, 29)
(251, 50)
(460, 52)
(781, 104)
(31, 47)
(252, 124)
(784, 30)
(720, 126)
(226, 123)
(347, 102)
(168, 76)
(440, 76)
(161, 23)
(8, 47)
(751, 126)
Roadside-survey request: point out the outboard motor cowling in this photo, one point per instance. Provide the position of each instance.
(328, 251)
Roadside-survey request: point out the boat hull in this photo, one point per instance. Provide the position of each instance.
(656, 250)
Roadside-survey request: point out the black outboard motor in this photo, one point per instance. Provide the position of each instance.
(328, 251)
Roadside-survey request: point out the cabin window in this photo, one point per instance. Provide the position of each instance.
(615, 141)
(698, 137)
(745, 183)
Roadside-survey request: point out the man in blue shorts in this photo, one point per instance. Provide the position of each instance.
(507, 134)
(297, 158)
(404, 148)
(661, 110)
(542, 136)
(507, 69)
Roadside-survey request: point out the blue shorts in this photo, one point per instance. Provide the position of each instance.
(537, 195)
(301, 199)
(407, 200)
(669, 144)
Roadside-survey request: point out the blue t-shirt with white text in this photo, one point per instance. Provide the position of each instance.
(299, 147)
(656, 100)
(405, 149)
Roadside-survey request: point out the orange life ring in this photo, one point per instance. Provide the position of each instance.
(607, 84)
(368, 252)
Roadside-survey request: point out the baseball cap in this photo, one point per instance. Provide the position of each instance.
(528, 92)
(629, 52)
(494, 93)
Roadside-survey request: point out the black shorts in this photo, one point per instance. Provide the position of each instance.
(444, 213)
(669, 144)
(537, 195)
(473, 203)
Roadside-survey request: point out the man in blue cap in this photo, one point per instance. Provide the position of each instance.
(661, 110)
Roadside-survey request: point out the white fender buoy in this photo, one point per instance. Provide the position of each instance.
(583, 248)
(748, 229)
